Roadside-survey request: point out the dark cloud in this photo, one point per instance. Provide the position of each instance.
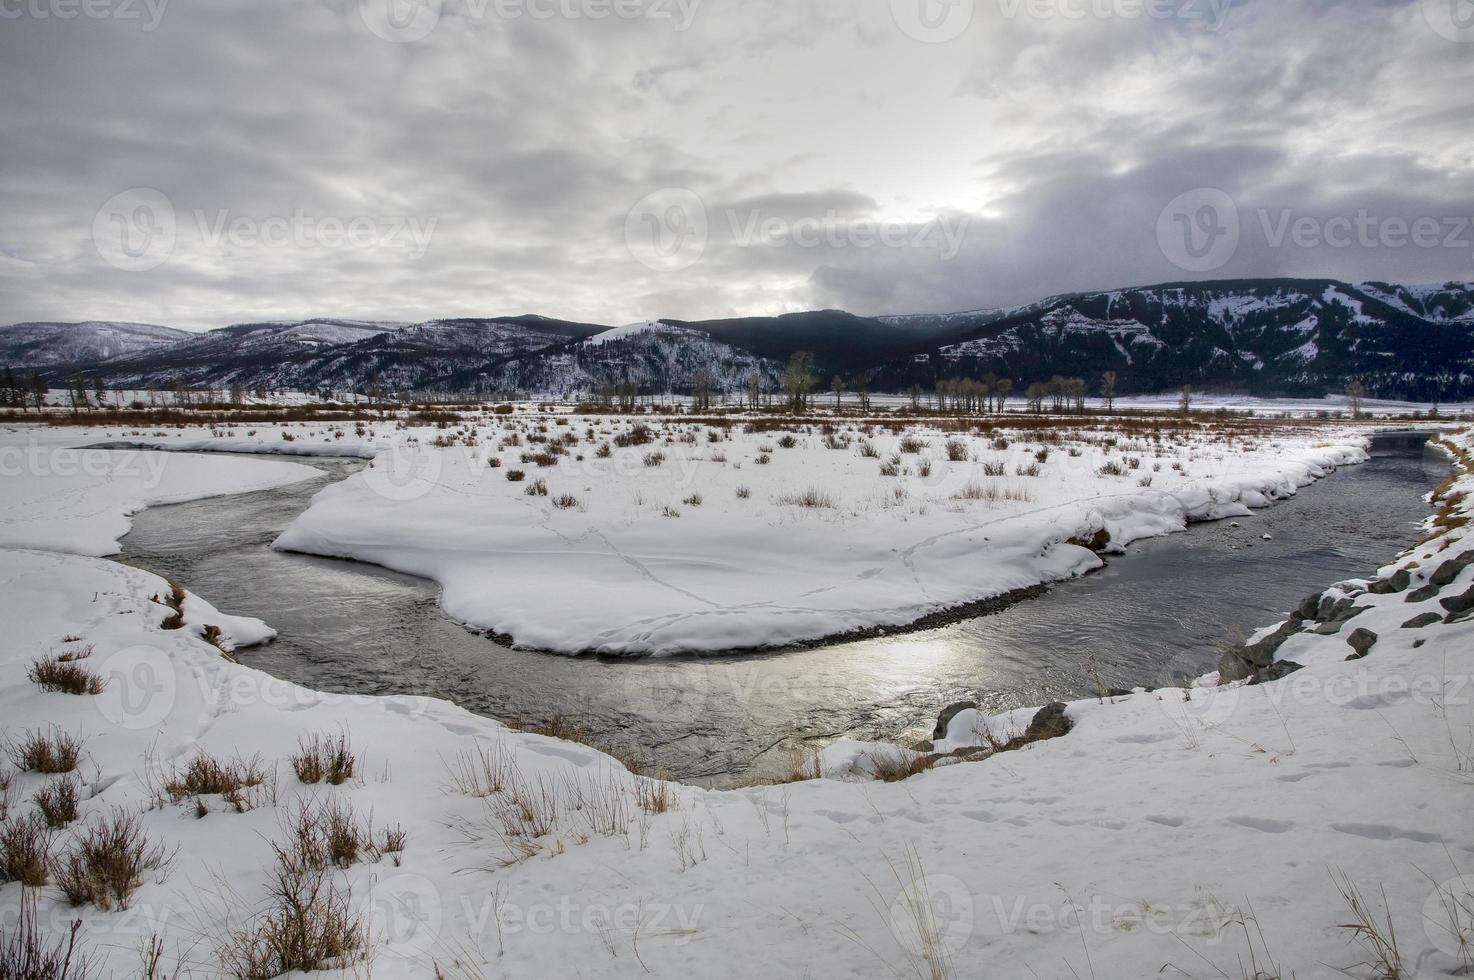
(836, 160)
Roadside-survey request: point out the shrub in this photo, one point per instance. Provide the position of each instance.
(50, 752)
(107, 862)
(910, 445)
(57, 802)
(957, 450)
(516, 476)
(25, 955)
(744, 492)
(324, 758)
(206, 776)
(995, 468)
(891, 467)
(1031, 470)
(24, 849)
(654, 459)
(604, 451)
(537, 488)
(787, 442)
(62, 673)
(494, 463)
(639, 434)
(695, 500)
(565, 501)
(868, 450)
(812, 498)
(1113, 468)
(763, 460)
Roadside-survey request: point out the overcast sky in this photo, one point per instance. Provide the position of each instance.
(201, 162)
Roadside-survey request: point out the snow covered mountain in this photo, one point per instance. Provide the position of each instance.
(44, 345)
(1271, 336)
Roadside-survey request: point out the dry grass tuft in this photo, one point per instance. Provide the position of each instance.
(25, 955)
(50, 752)
(207, 776)
(324, 759)
(24, 851)
(63, 672)
(107, 862)
(58, 802)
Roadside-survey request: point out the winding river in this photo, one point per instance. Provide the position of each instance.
(1155, 617)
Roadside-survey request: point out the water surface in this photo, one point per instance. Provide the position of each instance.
(1155, 617)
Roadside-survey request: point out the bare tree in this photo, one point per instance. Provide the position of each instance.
(1356, 393)
(837, 386)
(798, 379)
(1108, 390)
(1185, 400)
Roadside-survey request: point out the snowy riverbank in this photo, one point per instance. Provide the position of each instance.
(679, 537)
(1136, 842)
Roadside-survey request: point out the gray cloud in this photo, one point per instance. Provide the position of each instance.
(1052, 143)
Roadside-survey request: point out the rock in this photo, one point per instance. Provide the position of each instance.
(1274, 672)
(1119, 692)
(1309, 606)
(1332, 627)
(1397, 583)
(1462, 617)
(1419, 622)
(924, 746)
(1424, 594)
(1049, 722)
(1460, 603)
(1362, 642)
(948, 713)
(971, 751)
(1237, 665)
(1332, 609)
(1452, 569)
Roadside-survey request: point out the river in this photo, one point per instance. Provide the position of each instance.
(1154, 617)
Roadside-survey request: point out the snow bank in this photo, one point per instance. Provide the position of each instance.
(712, 549)
(1135, 846)
(79, 501)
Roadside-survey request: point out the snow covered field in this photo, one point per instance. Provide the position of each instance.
(1201, 833)
(627, 537)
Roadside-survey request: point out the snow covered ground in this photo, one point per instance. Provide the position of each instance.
(1191, 833)
(704, 539)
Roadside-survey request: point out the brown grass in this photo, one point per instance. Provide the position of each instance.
(324, 759)
(63, 673)
(107, 861)
(58, 802)
(24, 851)
(50, 752)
